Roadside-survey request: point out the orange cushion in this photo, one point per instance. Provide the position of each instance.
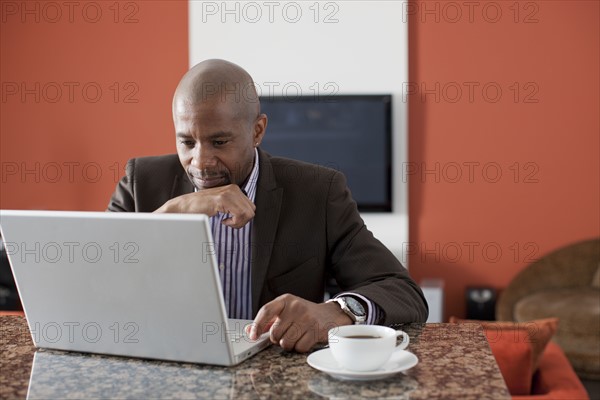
(555, 379)
(517, 348)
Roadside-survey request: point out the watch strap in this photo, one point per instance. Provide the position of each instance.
(341, 301)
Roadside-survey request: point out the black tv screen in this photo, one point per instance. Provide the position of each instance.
(349, 133)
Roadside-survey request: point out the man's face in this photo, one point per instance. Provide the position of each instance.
(215, 145)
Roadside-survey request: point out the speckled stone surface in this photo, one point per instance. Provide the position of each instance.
(455, 362)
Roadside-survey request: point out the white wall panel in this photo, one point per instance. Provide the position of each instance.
(324, 47)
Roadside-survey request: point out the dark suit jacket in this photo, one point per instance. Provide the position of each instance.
(306, 224)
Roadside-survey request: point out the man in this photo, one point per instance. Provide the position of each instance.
(279, 225)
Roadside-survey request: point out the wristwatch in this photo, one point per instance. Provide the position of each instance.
(352, 308)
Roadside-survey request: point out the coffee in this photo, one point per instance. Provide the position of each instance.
(362, 337)
(374, 347)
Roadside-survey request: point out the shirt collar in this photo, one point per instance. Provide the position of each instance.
(250, 185)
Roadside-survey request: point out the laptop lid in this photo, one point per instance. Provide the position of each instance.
(132, 284)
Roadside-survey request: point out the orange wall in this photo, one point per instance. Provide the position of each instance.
(554, 141)
(68, 152)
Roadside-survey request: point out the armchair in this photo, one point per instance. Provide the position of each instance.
(564, 284)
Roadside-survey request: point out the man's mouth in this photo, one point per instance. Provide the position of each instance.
(204, 181)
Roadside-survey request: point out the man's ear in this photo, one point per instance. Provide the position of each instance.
(260, 127)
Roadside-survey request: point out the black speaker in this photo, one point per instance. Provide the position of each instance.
(9, 297)
(481, 303)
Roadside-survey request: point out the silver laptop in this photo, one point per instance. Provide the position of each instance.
(129, 284)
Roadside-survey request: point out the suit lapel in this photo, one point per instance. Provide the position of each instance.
(264, 225)
(181, 185)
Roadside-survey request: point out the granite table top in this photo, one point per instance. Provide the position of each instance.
(455, 362)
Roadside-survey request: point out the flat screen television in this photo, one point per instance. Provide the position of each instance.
(349, 133)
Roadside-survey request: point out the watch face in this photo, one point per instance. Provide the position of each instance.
(354, 306)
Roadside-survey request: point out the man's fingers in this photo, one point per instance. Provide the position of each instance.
(307, 341)
(292, 336)
(239, 207)
(286, 334)
(256, 330)
(266, 316)
(237, 221)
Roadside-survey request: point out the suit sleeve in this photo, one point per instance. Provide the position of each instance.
(363, 265)
(123, 198)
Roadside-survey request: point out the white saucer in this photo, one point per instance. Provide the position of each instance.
(323, 360)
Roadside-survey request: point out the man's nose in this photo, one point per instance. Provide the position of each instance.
(202, 157)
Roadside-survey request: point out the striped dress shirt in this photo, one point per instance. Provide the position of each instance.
(234, 256)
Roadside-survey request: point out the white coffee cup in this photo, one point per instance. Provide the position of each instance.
(365, 347)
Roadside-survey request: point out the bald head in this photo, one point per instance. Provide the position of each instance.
(219, 81)
(218, 124)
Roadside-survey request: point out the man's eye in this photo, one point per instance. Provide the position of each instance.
(187, 143)
(219, 142)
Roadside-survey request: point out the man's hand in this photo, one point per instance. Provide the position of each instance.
(297, 324)
(226, 199)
